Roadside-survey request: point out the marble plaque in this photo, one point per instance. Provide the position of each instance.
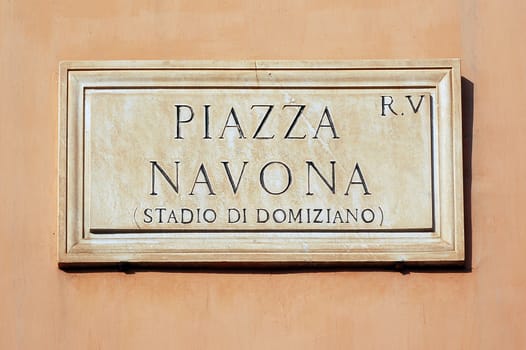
(260, 161)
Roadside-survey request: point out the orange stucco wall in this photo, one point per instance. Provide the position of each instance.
(42, 307)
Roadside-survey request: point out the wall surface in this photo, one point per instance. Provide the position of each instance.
(42, 307)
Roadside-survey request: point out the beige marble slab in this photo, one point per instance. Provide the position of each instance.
(299, 161)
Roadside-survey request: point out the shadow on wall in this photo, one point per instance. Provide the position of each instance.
(467, 88)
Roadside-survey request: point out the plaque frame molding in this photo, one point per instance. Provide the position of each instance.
(444, 244)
